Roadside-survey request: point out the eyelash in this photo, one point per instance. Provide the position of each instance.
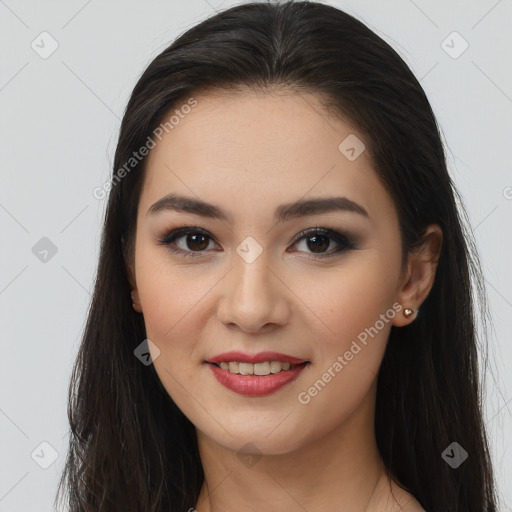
(344, 242)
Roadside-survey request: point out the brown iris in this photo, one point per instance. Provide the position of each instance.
(317, 243)
(194, 241)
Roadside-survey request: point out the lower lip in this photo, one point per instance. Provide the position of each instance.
(255, 385)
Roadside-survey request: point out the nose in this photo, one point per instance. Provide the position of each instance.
(254, 296)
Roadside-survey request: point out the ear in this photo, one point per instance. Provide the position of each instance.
(420, 274)
(130, 272)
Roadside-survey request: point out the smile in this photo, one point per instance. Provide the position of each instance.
(265, 368)
(256, 379)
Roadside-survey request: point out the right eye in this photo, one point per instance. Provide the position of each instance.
(195, 240)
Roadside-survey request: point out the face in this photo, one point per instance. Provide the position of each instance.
(267, 265)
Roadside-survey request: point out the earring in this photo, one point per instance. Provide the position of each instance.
(408, 312)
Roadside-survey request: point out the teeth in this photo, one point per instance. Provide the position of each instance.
(262, 368)
(275, 367)
(265, 368)
(246, 368)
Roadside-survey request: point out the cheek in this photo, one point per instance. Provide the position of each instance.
(171, 296)
(353, 297)
(345, 371)
(170, 299)
(355, 304)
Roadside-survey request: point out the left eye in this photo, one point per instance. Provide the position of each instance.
(319, 239)
(197, 240)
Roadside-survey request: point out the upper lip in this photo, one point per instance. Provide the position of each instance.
(260, 357)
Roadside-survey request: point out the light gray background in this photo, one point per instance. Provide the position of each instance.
(58, 126)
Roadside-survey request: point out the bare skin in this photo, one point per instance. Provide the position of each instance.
(249, 153)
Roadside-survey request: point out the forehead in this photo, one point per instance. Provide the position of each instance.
(253, 148)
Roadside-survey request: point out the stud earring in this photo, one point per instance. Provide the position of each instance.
(408, 312)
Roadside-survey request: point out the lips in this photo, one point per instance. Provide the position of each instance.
(261, 357)
(255, 385)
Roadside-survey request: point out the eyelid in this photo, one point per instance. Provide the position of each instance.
(315, 230)
(344, 241)
(174, 234)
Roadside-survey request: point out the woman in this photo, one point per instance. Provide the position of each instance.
(282, 317)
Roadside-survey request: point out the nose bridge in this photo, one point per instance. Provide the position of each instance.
(251, 276)
(253, 295)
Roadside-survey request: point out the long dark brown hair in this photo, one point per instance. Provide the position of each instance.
(131, 449)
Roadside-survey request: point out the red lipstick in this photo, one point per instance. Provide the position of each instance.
(260, 357)
(255, 385)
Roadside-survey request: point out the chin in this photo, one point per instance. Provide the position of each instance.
(255, 441)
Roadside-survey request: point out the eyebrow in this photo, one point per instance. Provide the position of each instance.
(284, 212)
